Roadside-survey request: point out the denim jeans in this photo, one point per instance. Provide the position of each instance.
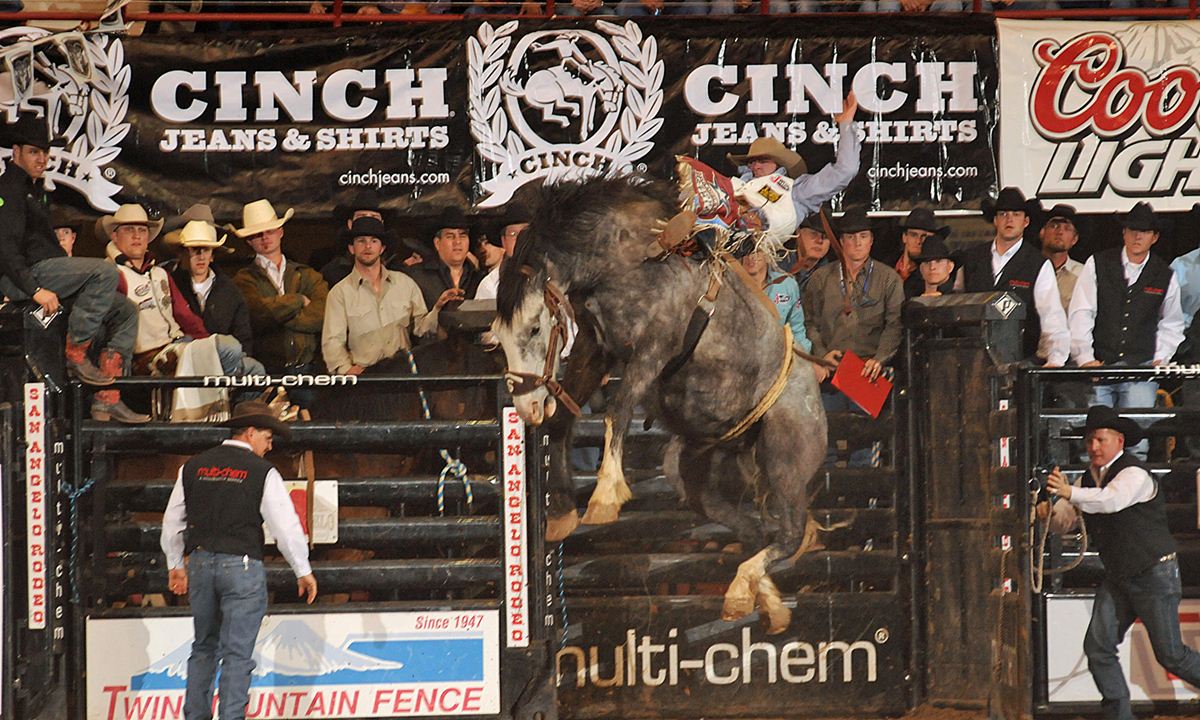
(228, 595)
(1142, 394)
(97, 305)
(835, 400)
(1153, 597)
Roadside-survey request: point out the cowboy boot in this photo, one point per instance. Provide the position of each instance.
(107, 404)
(79, 365)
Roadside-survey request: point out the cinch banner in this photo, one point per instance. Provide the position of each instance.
(464, 113)
(1102, 115)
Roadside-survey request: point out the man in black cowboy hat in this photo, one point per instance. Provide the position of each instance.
(34, 266)
(508, 228)
(448, 277)
(919, 225)
(1127, 518)
(1058, 235)
(67, 234)
(936, 269)
(1011, 265)
(221, 499)
(1125, 310)
(371, 315)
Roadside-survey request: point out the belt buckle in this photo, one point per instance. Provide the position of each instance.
(1167, 558)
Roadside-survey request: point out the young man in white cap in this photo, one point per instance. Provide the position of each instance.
(286, 299)
(211, 295)
(34, 266)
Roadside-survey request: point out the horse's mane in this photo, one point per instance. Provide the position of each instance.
(568, 217)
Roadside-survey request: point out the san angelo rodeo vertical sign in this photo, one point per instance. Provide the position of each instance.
(1103, 115)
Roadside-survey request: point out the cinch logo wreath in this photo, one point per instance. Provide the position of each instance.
(562, 102)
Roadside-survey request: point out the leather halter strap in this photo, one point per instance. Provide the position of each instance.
(522, 383)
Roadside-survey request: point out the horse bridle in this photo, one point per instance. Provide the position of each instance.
(521, 383)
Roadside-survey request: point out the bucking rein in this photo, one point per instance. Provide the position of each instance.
(669, 240)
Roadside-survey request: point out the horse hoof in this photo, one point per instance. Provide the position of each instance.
(602, 514)
(558, 528)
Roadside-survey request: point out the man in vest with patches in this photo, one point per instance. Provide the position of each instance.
(1011, 265)
(1126, 517)
(1125, 311)
(220, 501)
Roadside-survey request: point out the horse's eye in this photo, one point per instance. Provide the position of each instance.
(533, 332)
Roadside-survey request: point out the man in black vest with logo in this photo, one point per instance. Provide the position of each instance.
(220, 501)
(1009, 264)
(1125, 311)
(1126, 516)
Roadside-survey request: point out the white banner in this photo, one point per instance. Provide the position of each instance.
(1101, 116)
(35, 504)
(338, 665)
(515, 510)
(1066, 624)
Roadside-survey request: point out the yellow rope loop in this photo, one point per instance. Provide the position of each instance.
(773, 393)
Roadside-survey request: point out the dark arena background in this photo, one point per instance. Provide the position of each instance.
(929, 589)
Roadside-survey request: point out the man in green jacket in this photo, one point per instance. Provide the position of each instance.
(286, 299)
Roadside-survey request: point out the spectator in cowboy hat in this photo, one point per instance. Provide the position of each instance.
(812, 249)
(333, 261)
(33, 266)
(1127, 518)
(447, 276)
(1058, 235)
(516, 218)
(1011, 265)
(1125, 311)
(286, 299)
(919, 225)
(67, 234)
(935, 264)
(209, 294)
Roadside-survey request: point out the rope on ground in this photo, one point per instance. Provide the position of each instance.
(452, 467)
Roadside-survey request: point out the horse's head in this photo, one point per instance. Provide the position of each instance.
(535, 327)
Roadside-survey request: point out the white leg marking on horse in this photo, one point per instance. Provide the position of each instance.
(739, 598)
(771, 607)
(611, 489)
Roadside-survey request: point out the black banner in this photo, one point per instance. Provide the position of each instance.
(463, 113)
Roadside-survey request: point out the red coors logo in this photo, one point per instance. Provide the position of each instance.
(1084, 86)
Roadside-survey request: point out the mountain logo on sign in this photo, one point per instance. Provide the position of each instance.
(561, 103)
(90, 113)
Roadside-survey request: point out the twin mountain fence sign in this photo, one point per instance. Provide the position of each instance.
(465, 113)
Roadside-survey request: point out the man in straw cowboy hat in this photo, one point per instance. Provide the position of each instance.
(286, 298)
(1011, 265)
(34, 266)
(1126, 515)
(221, 498)
(774, 180)
(211, 295)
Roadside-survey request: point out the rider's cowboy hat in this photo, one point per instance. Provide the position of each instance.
(29, 129)
(1104, 417)
(260, 216)
(1011, 199)
(198, 233)
(257, 414)
(769, 147)
(130, 214)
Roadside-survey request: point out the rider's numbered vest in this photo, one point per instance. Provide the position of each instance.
(771, 197)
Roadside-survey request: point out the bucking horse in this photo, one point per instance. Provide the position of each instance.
(736, 400)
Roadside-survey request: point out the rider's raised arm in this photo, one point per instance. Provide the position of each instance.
(809, 191)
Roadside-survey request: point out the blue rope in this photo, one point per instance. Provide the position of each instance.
(452, 467)
(562, 597)
(73, 498)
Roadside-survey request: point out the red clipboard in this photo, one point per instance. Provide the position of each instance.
(868, 395)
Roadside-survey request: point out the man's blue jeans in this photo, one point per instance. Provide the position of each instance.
(228, 595)
(1152, 596)
(97, 305)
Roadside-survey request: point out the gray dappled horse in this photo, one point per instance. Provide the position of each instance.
(589, 239)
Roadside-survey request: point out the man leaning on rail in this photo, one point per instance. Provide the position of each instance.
(221, 498)
(1126, 515)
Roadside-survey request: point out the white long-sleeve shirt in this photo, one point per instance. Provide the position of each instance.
(1129, 487)
(1083, 313)
(1055, 341)
(276, 509)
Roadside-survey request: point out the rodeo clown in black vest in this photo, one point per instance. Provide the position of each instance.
(1125, 310)
(216, 512)
(1011, 265)
(1126, 515)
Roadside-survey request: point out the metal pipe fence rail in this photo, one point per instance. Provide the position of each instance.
(1052, 409)
(407, 545)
